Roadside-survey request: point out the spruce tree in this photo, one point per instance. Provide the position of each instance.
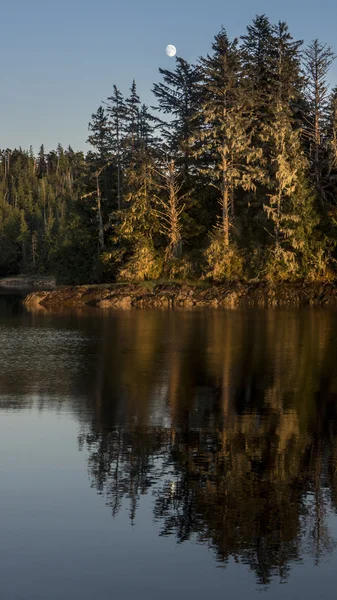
(117, 114)
(99, 137)
(332, 145)
(318, 59)
(42, 162)
(170, 211)
(224, 140)
(147, 125)
(139, 229)
(178, 96)
(132, 104)
(290, 200)
(23, 238)
(258, 55)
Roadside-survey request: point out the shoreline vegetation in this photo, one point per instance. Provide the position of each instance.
(182, 295)
(231, 176)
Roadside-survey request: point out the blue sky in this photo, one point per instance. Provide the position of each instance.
(59, 59)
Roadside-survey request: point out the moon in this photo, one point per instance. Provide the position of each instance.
(171, 50)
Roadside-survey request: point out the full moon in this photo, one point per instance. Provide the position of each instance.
(171, 50)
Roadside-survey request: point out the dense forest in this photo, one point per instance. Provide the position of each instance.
(231, 175)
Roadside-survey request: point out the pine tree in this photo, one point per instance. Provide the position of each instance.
(258, 54)
(23, 238)
(34, 248)
(332, 141)
(224, 140)
(178, 97)
(290, 203)
(132, 104)
(147, 124)
(42, 162)
(170, 211)
(99, 137)
(318, 59)
(274, 84)
(140, 218)
(116, 110)
(289, 77)
(140, 226)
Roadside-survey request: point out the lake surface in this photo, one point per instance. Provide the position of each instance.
(153, 454)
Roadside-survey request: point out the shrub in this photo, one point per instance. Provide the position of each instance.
(188, 267)
(281, 265)
(223, 263)
(145, 264)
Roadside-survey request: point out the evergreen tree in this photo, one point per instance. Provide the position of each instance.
(224, 140)
(290, 203)
(171, 208)
(132, 104)
(147, 124)
(178, 97)
(332, 145)
(117, 111)
(140, 225)
(99, 137)
(318, 59)
(258, 53)
(23, 238)
(42, 162)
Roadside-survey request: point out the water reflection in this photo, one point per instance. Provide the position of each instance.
(231, 421)
(227, 419)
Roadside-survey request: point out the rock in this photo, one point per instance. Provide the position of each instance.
(125, 302)
(125, 296)
(105, 304)
(34, 299)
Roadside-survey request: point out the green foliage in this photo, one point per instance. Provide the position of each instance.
(145, 264)
(224, 263)
(320, 266)
(281, 265)
(186, 268)
(71, 259)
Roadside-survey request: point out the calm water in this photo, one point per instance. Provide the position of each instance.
(153, 454)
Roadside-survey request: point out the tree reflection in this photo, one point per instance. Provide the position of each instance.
(229, 419)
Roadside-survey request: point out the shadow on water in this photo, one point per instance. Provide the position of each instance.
(10, 304)
(227, 418)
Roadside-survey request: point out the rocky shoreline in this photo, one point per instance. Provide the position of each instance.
(125, 296)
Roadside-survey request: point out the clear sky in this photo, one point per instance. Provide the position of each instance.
(60, 58)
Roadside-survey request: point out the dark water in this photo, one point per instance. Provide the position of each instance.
(151, 454)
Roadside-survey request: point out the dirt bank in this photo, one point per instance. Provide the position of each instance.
(116, 296)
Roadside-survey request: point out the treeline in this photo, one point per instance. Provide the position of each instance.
(231, 175)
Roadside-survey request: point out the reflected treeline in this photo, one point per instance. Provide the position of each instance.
(229, 418)
(226, 418)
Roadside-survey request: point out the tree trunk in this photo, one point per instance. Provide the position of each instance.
(173, 211)
(119, 202)
(225, 216)
(99, 215)
(225, 203)
(317, 147)
(118, 182)
(34, 248)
